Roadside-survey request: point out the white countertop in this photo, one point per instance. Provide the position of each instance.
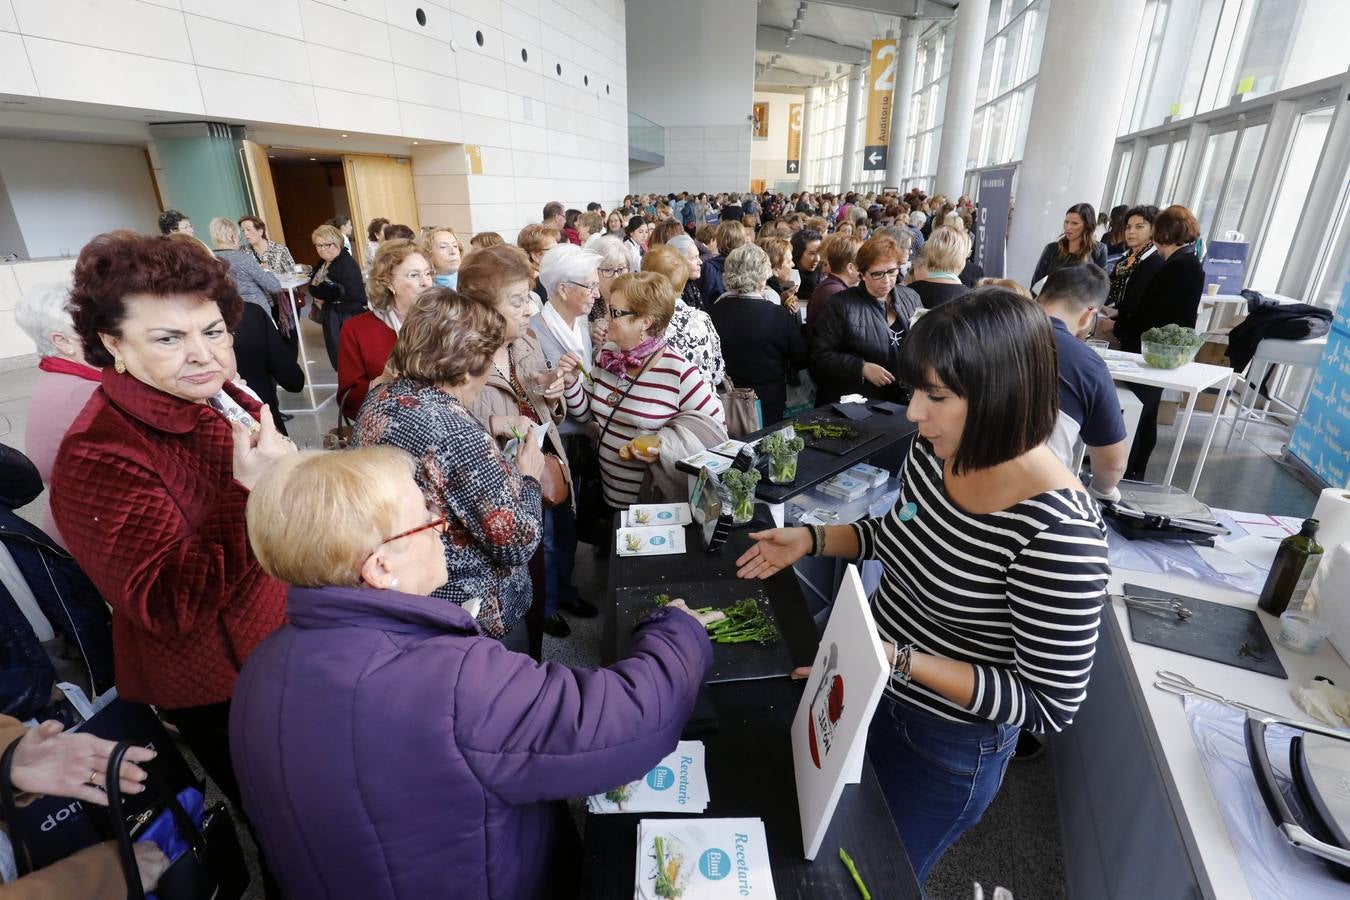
(1201, 812)
(1191, 377)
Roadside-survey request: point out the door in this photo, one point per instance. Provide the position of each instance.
(756, 185)
(380, 187)
(262, 193)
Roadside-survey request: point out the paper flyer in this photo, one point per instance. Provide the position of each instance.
(678, 783)
(652, 540)
(640, 514)
(704, 459)
(702, 859)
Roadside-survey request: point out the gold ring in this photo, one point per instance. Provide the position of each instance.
(93, 776)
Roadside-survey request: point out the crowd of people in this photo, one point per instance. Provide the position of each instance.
(359, 630)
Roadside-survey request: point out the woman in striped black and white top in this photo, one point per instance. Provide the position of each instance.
(995, 566)
(640, 386)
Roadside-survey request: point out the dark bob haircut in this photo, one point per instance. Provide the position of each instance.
(1148, 212)
(117, 265)
(1175, 225)
(996, 351)
(168, 221)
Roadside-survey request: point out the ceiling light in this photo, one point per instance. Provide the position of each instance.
(414, 143)
(313, 159)
(344, 135)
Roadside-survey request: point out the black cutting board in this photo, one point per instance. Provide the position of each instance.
(836, 446)
(1216, 632)
(731, 662)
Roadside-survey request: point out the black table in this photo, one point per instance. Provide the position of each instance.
(749, 756)
(881, 437)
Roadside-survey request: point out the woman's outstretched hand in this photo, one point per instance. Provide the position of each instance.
(773, 551)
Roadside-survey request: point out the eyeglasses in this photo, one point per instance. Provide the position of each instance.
(615, 313)
(439, 523)
(328, 245)
(418, 276)
(883, 274)
(612, 272)
(590, 288)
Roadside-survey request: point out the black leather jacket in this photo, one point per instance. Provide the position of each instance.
(852, 330)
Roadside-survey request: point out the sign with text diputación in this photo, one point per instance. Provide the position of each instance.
(880, 103)
(994, 202)
(794, 147)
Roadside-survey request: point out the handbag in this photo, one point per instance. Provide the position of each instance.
(553, 485)
(205, 859)
(741, 408)
(340, 436)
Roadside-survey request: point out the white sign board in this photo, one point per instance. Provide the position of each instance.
(829, 732)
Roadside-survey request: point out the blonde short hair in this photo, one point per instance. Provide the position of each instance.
(380, 282)
(1008, 284)
(648, 294)
(947, 249)
(315, 516)
(664, 259)
(224, 231)
(730, 235)
(534, 238)
(486, 239)
(327, 234)
(778, 249)
(447, 338)
(429, 238)
(592, 222)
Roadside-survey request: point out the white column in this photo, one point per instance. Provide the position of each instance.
(906, 54)
(846, 170)
(808, 129)
(962, 83)
(1073, 124)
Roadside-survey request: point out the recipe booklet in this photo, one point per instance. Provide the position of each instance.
(651, 540)
(676, 784)
(704, 459)
(702, 859)
(658, 514)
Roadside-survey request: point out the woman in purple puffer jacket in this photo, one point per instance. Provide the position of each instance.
(384, 747)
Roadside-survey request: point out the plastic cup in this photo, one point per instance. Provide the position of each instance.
(647, 444)
(1211, 289)
(1099, 347)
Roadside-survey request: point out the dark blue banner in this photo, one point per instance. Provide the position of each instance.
(991, 225)
(1226, 265)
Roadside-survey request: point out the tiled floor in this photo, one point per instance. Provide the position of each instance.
(1017, 844)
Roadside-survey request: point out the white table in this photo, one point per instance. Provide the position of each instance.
(1216, 310)
(1198, 812)
(1191, 380)
(290, 283)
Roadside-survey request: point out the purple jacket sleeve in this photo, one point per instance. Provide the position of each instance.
(533, 732)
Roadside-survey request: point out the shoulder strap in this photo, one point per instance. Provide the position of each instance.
(605, 431)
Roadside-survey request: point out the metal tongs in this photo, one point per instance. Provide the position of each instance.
(1153, 604)
(1174, 683)
(1139, 518)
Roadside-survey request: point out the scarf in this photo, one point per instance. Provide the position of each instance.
(1120, 275)
(617, 362)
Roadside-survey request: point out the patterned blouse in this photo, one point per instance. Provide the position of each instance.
(276, 257)
(495, 516)
(691, 332)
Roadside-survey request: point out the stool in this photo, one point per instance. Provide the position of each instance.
(1306, 354)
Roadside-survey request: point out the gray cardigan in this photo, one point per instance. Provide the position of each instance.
(256, 285)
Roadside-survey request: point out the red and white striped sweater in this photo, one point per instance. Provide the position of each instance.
(669, 386)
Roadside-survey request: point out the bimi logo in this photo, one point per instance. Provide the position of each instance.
(61, 815)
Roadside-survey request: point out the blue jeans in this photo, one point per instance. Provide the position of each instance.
(938, 776)
(560, 556)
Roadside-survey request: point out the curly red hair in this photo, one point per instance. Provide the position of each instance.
(116, 265)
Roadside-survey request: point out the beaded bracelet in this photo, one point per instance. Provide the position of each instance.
(900, 668)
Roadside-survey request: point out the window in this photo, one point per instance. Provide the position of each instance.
(1334, 268)
(1154, 158)
(1291, 195)
(1171, 174)
(1014, 36)
(1213, 169)
(1236, 194)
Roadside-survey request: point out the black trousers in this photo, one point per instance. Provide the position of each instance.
(1146, 435)
(206, 730)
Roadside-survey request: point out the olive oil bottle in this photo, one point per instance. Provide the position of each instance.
(1292, 572)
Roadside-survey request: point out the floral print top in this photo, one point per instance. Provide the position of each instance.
(277, 257)
(494, 512)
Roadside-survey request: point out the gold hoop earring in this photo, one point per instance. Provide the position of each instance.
(120, 366)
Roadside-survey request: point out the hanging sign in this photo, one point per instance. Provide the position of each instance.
(880, 98)
(1226, 265)
(794, 148)
(991, 222)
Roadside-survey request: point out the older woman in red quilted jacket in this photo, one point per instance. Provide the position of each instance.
(150, 483)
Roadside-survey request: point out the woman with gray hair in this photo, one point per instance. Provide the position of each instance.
(687, 247)
(761, 341)
(570, 278)
(256, 285)
(613, 263)
(64, 382)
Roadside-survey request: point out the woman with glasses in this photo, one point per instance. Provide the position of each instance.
(336, 286)
(400, 272)
(524, 391)
(454, 755)
(443, 357)
(150, 483)
(855, 343)
(613, 263)
(640, 387)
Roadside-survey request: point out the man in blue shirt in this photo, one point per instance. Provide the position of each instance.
(1089, 408)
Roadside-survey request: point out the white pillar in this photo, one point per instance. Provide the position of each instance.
(808, 129)
(1072, 130)
(962, 83)
(851, 129)
(906, 54)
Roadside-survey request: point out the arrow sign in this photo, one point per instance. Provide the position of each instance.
(792, 165)
(874, 158)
